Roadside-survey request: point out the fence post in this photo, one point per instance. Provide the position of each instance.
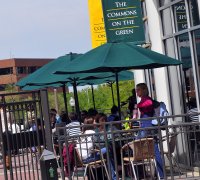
(47, 123)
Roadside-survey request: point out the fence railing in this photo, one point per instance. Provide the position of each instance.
(23, 134)
(171, 151)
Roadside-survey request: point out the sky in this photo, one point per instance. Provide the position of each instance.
(43, 28)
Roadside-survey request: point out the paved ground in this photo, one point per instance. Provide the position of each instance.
(26, 167)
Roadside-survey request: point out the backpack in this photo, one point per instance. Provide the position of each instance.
(160, 110)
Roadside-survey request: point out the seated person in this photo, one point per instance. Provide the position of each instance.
(34, 127)
(71, 131)
(92, 112)
(64, 118)
(194, 130)
(132, 100)
(193, 110)
(114, 116)
(100, 139)
(85, 143)
(57, 117)
(53, 120)
(84, 114)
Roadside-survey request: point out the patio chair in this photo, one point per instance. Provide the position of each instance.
(169, 152)
(79, 163)
(143, 153)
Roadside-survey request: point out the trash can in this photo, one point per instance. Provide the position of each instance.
(48, 166)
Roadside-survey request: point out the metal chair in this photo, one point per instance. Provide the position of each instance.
(169, 152)
(143, 153)
(79, 163)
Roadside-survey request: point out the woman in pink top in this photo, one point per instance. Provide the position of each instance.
(146, 108)
(145, 105)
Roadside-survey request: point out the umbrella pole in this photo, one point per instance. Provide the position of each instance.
(76, 99)
(93, 96)
(118, 97)
(111, 86)
(56, 99)
(65, 99)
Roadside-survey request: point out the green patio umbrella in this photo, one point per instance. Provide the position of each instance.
(112, 57)
(45, 75)
(115, 57)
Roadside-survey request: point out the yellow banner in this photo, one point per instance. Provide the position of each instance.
(97, 27)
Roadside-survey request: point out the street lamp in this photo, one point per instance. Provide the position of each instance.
(72, 103)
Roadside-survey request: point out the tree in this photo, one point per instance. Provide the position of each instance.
(102, 96)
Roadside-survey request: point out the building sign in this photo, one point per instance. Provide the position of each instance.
(97, 28)
(123, 20)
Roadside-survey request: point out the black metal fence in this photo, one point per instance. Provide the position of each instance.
(25, 132)
(169, 152)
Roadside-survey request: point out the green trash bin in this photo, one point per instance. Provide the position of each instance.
(48, 166)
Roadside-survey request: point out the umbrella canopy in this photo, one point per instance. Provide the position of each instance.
(90, 80)
(45, 73)
(53, 80)
(112, 57)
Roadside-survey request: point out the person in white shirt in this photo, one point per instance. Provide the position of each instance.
(12, 127)
(85, 143)
(193, 109)
(7, 119)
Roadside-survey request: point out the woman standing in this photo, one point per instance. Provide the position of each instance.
(146, 108)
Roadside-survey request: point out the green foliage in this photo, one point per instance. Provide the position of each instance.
(102, 96)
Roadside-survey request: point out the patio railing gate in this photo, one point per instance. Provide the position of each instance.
(22, 134)
(178, 144)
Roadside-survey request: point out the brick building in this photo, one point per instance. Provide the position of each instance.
(12, 70)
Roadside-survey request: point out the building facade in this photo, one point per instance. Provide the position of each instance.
(173, 28)
(12, 70)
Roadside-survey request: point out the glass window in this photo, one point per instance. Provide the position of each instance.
(197, 46)
(180, 16)
(2, 88)
(167, 21)
(197, 41)
(21, 70)
(31, 69)
(185, 56)
(193, 8)
(5, 71)
(164, 2)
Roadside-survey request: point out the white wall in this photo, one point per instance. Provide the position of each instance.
(161, 79)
